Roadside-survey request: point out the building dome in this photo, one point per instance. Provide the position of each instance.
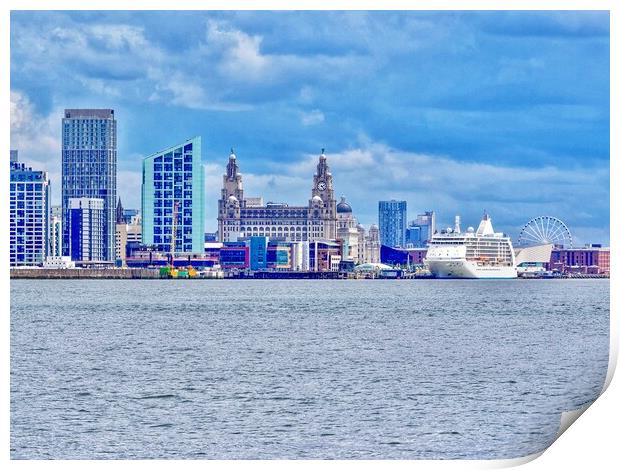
(343, 206)
(232, 155)
(360, 227)
(374, 227)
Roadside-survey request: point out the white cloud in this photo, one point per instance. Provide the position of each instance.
(312, 117)
(375, 171)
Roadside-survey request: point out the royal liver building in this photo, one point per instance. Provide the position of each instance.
(239, 216)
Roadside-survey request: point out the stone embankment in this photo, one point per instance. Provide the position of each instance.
(84, 273)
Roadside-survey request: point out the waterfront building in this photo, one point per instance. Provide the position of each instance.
(258, 253)
(420, 232)
(241, 216)
(392, 222)
(324, 255)
(235, 255)
(89, 168)
(279, 256)
(173, 198)
(55, 248)
(29, 214)
(402, 257)
(87, 240)
(591, 259)
(347, 230)
(300, 256)
(148, 258)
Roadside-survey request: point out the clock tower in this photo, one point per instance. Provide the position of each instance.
(325, 208)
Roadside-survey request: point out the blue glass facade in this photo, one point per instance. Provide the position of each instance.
(279, 255)
(234, 255)
(392, 222)
(394, 256)
(29, 215)
(86, 234)
(258, 253)
(173, 182)
(420, 232)
(89, 168)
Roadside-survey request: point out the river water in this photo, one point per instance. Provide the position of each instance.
(234, 369)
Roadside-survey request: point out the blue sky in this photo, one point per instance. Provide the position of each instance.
(455, 112)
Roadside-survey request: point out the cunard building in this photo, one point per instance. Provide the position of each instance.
(240, 216)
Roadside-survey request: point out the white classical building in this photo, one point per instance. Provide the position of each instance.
(240, 216)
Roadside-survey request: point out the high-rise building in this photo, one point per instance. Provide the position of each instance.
(87, 237)
(392, 222)
(173, 199)
(241, 216)
(56, 231)
(89, 168)
(29, 214)
(420, 232)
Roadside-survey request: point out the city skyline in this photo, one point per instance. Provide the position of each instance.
(528, 125)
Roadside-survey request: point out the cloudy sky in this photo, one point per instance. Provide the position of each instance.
(455, 112)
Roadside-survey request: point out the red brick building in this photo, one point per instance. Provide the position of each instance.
(589, 260)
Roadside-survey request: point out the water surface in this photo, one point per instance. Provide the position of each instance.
(300, 369)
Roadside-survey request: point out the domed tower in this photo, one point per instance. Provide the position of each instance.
(347, 230)
(323, 219)
(231, 202)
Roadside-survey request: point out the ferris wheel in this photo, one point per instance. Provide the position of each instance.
(545, 229)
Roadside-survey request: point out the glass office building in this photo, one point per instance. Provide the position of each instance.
(173, 186)
(29, 214)
(89, 168)
(420, 232)
(392, 222)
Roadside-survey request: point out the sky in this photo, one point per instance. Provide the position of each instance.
(456, 112)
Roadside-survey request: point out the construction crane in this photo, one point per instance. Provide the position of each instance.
(173, 242)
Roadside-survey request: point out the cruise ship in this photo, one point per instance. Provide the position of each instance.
(480, 254)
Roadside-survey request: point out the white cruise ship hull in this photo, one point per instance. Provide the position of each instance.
(463, 269)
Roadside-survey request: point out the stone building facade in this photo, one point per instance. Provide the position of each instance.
(241, 216)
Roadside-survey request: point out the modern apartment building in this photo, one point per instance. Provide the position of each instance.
(87, 237)
(173, 199)
(89, 168)
(29, 214)
(392, 222)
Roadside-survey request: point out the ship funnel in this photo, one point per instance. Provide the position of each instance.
(457, 224)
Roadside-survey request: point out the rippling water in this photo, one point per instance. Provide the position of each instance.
(301, 369)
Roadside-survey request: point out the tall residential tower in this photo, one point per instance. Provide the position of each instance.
(392, 222)
(89, 168)
(173, 199)
(29, 214)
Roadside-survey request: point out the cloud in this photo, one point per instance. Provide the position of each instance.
(563, 24)
(511, 194)
(312, 117)
(521, 98)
